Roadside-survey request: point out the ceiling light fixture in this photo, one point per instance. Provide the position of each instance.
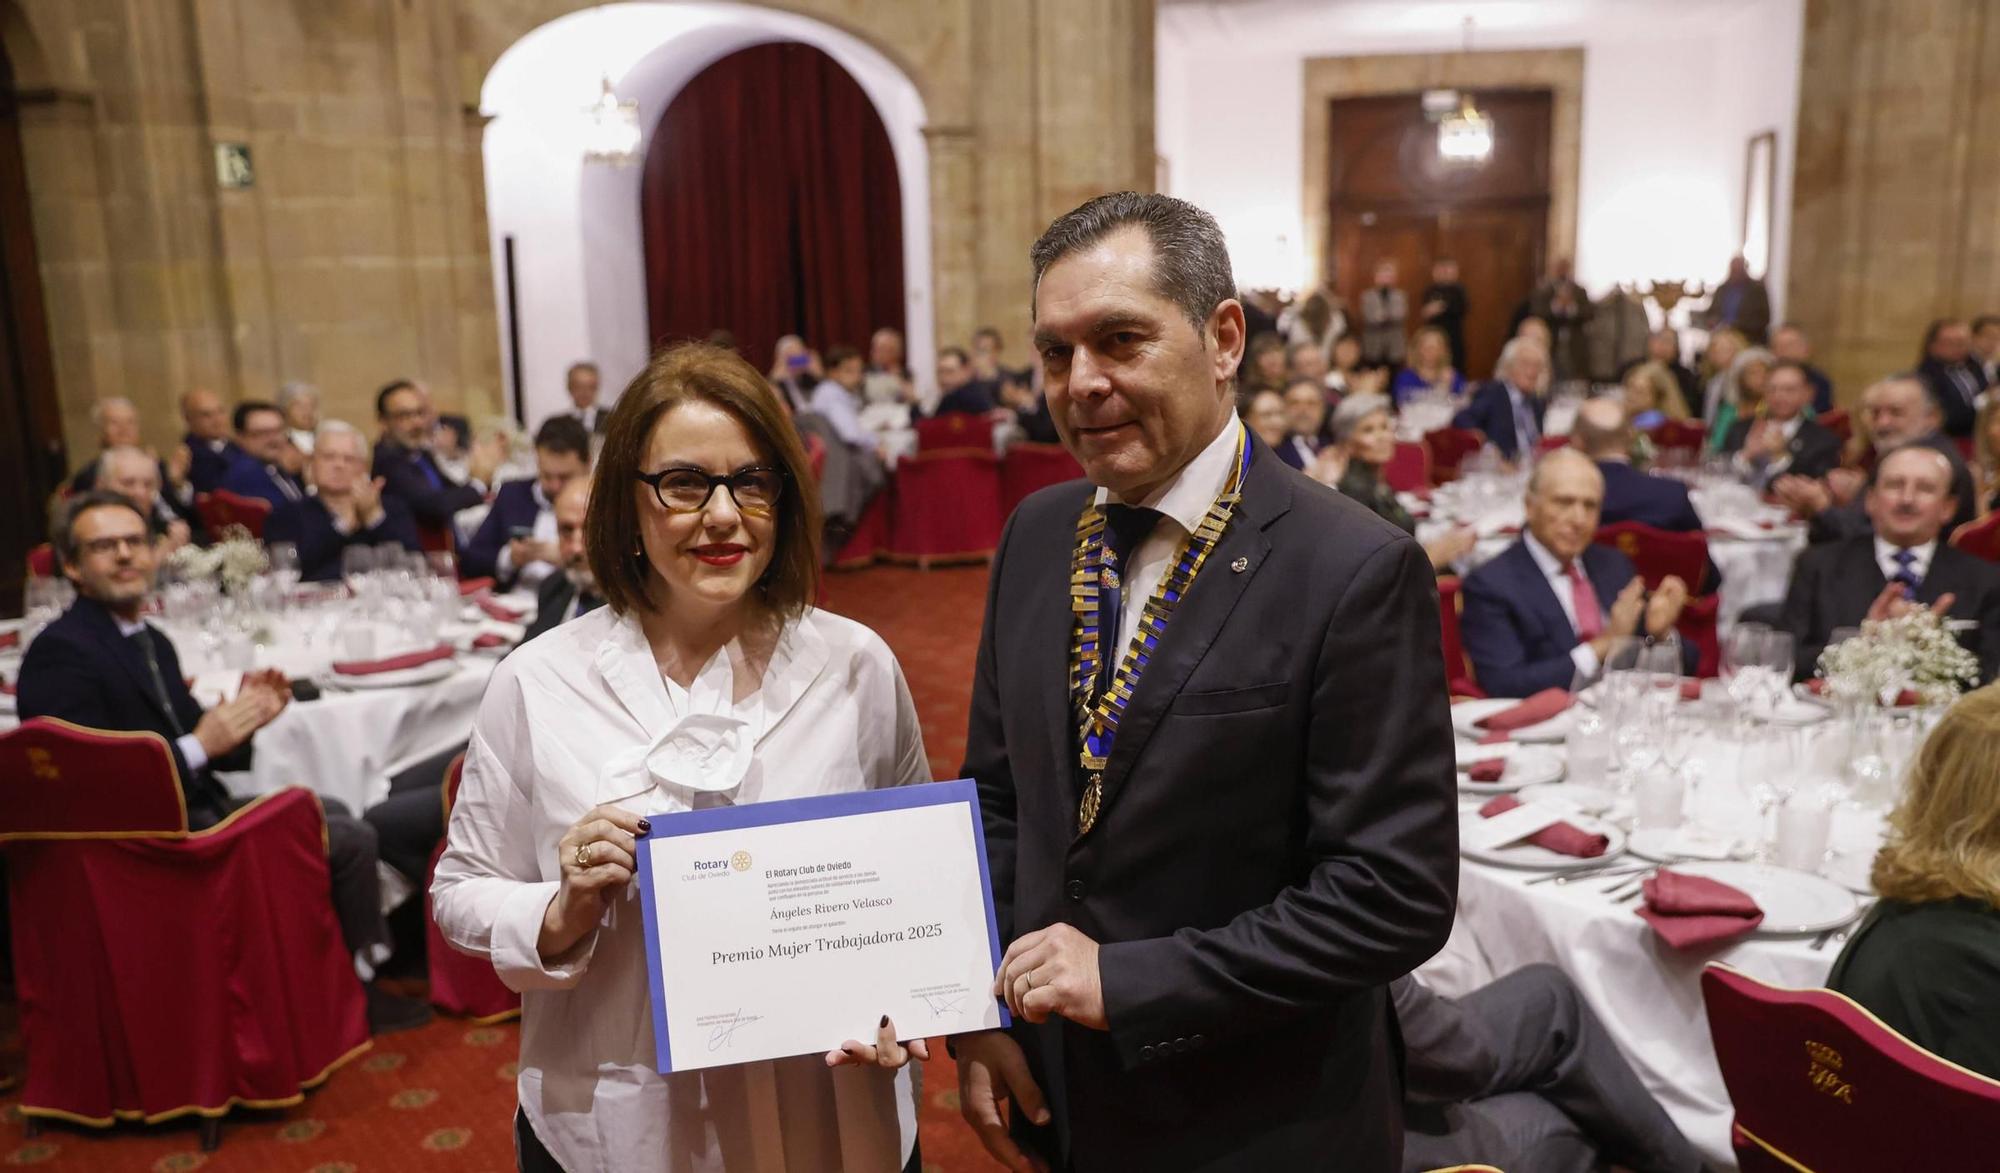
(1465, 136)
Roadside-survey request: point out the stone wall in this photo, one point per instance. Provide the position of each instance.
(361, 252)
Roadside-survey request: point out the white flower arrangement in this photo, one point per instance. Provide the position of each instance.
(234, 562)
(1914, 651)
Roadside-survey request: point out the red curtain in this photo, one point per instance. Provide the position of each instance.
(771, 206)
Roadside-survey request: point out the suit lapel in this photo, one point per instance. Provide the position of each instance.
(129, 657)
(1048, 652)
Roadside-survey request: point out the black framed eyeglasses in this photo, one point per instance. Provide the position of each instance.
(680, 489)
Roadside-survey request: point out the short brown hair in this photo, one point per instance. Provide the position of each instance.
(680, 374)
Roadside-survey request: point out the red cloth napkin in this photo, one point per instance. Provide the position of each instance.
(1691, 911)
(472, 586)
(1561, 838)
(1533, 711)
(1489, 770)
(499, 610)
(488, 639)
(10, 639)
(6, 689)
(1690, 690)
(1904, 699)
(392, 663)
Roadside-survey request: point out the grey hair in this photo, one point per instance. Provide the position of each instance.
(1190, 256)
(1352, 410)
(97, 409)
(111, 456)
(331, 428)
(294, 391)
(1514, 349)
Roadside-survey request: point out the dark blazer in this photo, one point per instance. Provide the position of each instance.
(553, 600)
(1927, 970)
(413, 478)
(513, 508)
(1493, 413)
(1822, 386)
(975, 398)
(1288, 451)
(1277, 839)
(250, 477)
(1631, 495)
(307, 525)
(1038, 423)
(1832, 586)
(1815, 450)
(169, 506)
(1953, 400)
(208, 466)
(1851, 520)
(82, 670)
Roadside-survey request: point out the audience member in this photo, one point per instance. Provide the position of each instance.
(1894, 412)
(1902, 564)
(853, 473)
(451, 444)
(1535, 330)
(1986, 451)
(1430, 370)
(794, 371)
(1384, 309)
(342, 508)
(1926, 958)
(1546, 611)
(1663, 346)
(1790, 344)
(300, 404)
(959, 392)
(102, 666)
(1740, 303)
(562, 597)
(1723, 347)
(1742, 393)
(1652, 396)
(210, 450)
(516, 542)
(1319, 321)
(1030, 407)
(887, 379)
(1520, 1074)
(1305, 417)
(987, 353)
(1781, 440)
(136, 475)
(1263, 367)
(837, 397)
(1606, 435)
(1562, 303)
(1443, 305)
(1264, 412)
(1986, 347)
(582, 381)
(1305, 360)
(1951, 376)
(1508, 409)
(117, 423)
(1364, 441)
(264, 447)
(406, 468)
(1345, 374)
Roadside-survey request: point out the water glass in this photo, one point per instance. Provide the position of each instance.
(1660, 798)
(356, 641)
(1804, 826)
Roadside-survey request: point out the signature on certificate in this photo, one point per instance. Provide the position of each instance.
(942, 1004)
(723, 1033)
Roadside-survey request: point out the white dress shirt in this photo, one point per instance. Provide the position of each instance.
(1582, 655)
(1184, 499)
(1885, 557)
(544, 530)
(577, 718)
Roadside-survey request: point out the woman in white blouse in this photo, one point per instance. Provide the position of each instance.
(708, 679)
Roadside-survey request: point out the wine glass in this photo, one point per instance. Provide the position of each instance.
(356, 562)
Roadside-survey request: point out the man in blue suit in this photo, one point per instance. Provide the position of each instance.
(1509, 407)
(517, 541)
(409, 472)
(344, 509)
(1552, 606)
(259, 469)
(210, 450)
(1603, 433)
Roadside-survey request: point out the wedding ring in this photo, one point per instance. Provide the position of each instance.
(583, 855)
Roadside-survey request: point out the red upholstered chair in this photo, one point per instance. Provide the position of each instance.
(221, 509)
(1658, 553)
(1548, 444)
(1028, 467)
(1980, 538)
(1457, 669)
(1836, 421)
(954, 430)
(1820, 1083)
(460, 983)
(436, 539)
(947, 506)
(1409, 469)
(42, 561)
(1448, 449)
(1679, 434)
(163, 973)
(871, 534)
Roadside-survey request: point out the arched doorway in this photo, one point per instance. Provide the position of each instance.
(771, 206)
(30, 418)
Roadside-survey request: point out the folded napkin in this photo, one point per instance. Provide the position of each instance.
(472, 586)
(1533, 711)
(7, 689)
(1690, 690)
(489, 639)
(1904, 699)
(1489, 770)
(393, 663)
(1691, 911)
(499, 610)
(1561, 838)
(10, 639)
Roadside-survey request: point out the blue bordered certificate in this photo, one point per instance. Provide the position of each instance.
(785, 928)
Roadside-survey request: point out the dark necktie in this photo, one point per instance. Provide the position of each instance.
(1906, 573)
(1125, 526)
(144, 640)
(287, 487)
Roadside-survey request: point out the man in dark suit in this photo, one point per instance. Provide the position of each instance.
(517, 540)
(1903, 564)
(117, 423)
(210, 450)
(136, 475)
(1207, 894)
(1509, 409)
(1789, 343)
(1741, 302)
(581, 381)
(961, 393)
(101, 665)
(1780, 440)
(1897, 411)
(1603, 433)
(1949, 374)
(1547, 610)
(406, 468)
(345, 508)
(265, 447)
(572, 592)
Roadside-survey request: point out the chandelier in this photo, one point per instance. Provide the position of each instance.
(1465, 135)
(611, 130)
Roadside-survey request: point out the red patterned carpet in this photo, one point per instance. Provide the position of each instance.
(442, 1098)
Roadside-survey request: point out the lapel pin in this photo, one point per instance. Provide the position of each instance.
(1240, 565)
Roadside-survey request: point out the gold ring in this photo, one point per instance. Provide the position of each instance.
(583, 855)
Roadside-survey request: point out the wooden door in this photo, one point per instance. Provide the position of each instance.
(31, 448)
(1393, 197)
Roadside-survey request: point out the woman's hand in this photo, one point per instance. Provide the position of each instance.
(598, 855)
(1448, 547)
(1329, 466)
(887, 1053)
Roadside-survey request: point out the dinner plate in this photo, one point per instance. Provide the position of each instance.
(1526, 855)
(1850, 869)
(1527, 766)
(1794, 712)
(1466, 715)
(1793, 902)
(1674, 844)
(1598, 801)
(429, 673)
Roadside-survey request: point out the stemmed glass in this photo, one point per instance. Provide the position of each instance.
(284, 560)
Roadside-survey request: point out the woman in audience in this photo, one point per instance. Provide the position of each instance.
(1986, 446)
(707, 679)
(1264, 414)
(1346, 364)
(1263, 367)
(1742, 393)
(1430, 368)
(300, 403)
(1723, 347)
(1364, 441)
(1318, 320)
(1652, 396)
(1926, 960)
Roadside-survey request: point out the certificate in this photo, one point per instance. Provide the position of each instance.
(786, 928)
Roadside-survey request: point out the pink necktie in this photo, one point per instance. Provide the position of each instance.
(1583, 599)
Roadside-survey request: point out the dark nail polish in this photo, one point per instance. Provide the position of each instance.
(885, 1020)
(645, 827)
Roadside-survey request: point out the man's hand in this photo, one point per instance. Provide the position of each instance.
(232, 722)
(178, 462)
(1891, 604)
(178, 534)
(1802, 495)
(367, 499)
(1663, 610)
(1770, 439)
(1844, 483)
(1626, 609)
(992, 1071)
(484, 459)
(1329, 465)
(1450, 546)
(1053, 971)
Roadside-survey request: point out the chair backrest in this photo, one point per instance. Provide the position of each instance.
(63, 781)
(1658, 553)
(1456, 667)
(1409, 469)
(1837, 422)
(1548, 444)
(42, 561)
(221, 509)
(1979, 538)
(1448, 448)
(1681, 434)
(435, 539)
(954, 430)
(1819, 1083)
(1028, 467)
